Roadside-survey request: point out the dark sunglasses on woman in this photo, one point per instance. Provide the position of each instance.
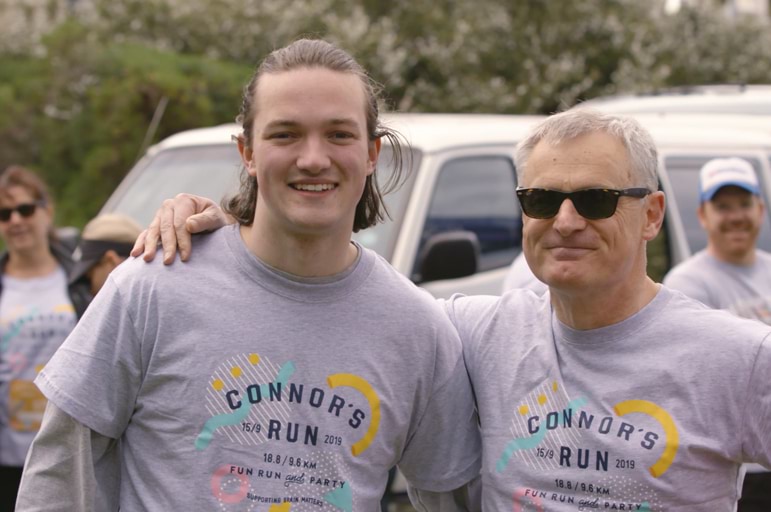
(25, 210)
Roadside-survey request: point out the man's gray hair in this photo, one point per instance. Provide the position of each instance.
(581, 121)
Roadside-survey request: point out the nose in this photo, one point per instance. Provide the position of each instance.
(568, 220)
(15, 216)
(313, 156)
(736, 213)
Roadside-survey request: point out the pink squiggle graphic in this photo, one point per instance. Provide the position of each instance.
(519, 494)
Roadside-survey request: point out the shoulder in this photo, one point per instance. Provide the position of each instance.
(763, 256)
(709, 339)
(377, 282)
(515, 307)
(690, 315)
(208, 251)
(383, 278)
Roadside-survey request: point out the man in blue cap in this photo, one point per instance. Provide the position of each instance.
(731, 273)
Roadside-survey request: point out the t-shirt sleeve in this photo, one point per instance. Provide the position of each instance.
(96, 373)
(69, 467)
(757, 444)
(468, 315)
(444, 451)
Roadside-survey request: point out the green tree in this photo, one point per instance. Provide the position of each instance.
(80, 113)
(697, 46)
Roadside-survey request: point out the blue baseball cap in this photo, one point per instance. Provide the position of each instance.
(724, 172)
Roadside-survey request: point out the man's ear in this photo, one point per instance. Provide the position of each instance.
(112, 258)
(654, 214)
(702, 215)
(374, 152)
(246, 154)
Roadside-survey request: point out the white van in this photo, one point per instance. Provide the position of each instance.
(752, 100)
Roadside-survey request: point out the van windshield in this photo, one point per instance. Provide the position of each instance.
(213, 171)
(382, 237)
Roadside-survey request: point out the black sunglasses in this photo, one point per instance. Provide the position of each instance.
(591, 203)
(24, 209)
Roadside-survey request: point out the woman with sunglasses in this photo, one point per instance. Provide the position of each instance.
(38, 309)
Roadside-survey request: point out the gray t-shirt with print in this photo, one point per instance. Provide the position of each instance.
(234, 386)
(655, 413)
(36, 315)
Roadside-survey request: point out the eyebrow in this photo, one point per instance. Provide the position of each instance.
(288, 123)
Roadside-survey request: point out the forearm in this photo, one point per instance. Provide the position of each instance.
(69, 467)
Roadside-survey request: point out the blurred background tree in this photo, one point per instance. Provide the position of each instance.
(81, 80)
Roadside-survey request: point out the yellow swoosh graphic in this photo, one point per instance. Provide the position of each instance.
(363, 387)
(672, 441)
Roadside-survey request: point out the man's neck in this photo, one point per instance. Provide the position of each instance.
(592, 310)
(306, 256)
(743, 260)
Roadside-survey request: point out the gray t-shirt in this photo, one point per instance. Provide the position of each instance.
(654, 413)
(36, 315)
(234, 386)
(743, 290)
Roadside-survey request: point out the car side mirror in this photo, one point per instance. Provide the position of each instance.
(449, 255)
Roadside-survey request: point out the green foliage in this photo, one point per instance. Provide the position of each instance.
(79, 114)
(75, 103)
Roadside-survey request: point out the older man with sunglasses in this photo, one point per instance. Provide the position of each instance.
(611, 391)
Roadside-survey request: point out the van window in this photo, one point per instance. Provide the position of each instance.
(478, 195)
(683, 173)
(211, 171)
(382, 237)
